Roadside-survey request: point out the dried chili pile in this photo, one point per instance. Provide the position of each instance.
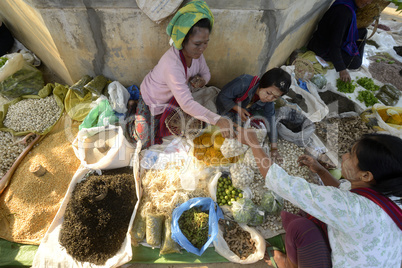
(97, 216)
(193, 224)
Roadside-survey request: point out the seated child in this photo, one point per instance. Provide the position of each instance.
(250, 97)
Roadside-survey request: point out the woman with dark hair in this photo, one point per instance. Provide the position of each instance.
(249, 96)
(337, 38)
(166, 86)
(356, 227)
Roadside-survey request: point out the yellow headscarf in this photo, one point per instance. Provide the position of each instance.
(185, 18)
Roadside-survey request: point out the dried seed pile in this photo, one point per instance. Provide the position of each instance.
(340, 133)
(32, 114)
(10, 149)
(97, 216)
(29, 204)
(238, 240)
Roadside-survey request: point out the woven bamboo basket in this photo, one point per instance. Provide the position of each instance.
(181, 124)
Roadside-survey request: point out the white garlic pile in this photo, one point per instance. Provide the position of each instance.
(32, 114)
(232, 147)
(9, 151)
(242, 175)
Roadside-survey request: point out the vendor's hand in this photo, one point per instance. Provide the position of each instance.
(276, 157)
(197, 81)
(247, 136)
(244, 114)
(345, 76)
(310, 162)
(226, 127)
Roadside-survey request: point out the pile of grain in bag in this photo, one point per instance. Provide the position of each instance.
(30, 202)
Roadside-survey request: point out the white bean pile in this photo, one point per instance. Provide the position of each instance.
(9, 151)
(32, 114)
(232, 147)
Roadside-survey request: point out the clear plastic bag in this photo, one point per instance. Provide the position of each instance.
(168, 244)
(138, 230)
(243, 210)
(154, 228)
(97, 85)
(18, 78)
(78, 87)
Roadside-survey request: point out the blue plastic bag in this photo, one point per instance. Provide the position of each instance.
(134, 92)
(215, 213)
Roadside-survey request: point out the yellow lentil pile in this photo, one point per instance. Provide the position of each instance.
(29, 204)
(205, 151)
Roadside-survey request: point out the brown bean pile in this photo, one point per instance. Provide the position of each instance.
(97, 216)
(238, 240)
(339, 134)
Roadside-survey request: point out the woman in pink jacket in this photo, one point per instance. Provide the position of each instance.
(166, 86)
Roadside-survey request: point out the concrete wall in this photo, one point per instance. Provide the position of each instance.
(116, 39)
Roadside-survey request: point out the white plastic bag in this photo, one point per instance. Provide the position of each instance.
(118, 97)
(158, 10)
(116, 152)
(223, 249)
(51, 254)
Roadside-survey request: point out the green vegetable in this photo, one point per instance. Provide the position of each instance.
(226, 193)
(3, 61)
(368, 84)
(193, 224)
(243, 210)
(345, 87)
(258, 219)
(367, 97)
(391, 62)
(271, 205)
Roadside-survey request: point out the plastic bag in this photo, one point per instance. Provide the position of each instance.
(51, 254)
(319, 80)
(103, 147)
(293, 126)
(138, 230)
(118, 97)
(97, 85)
(18, 78)
(168, 244)
(385, 98)
(158, 10)
(243, 210)
(59, 92)
(78, 87)
(101, 115)
(76, 107)
(154, 228)
(206, 204)
(221, 246)
(258, 218)
(271, 203)
(378, 118)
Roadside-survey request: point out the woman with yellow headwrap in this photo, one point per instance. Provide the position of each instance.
(166, 86)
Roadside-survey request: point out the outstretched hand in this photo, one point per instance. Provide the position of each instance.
(310, 162)
(226, 127)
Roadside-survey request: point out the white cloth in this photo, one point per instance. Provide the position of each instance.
(360, 232)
